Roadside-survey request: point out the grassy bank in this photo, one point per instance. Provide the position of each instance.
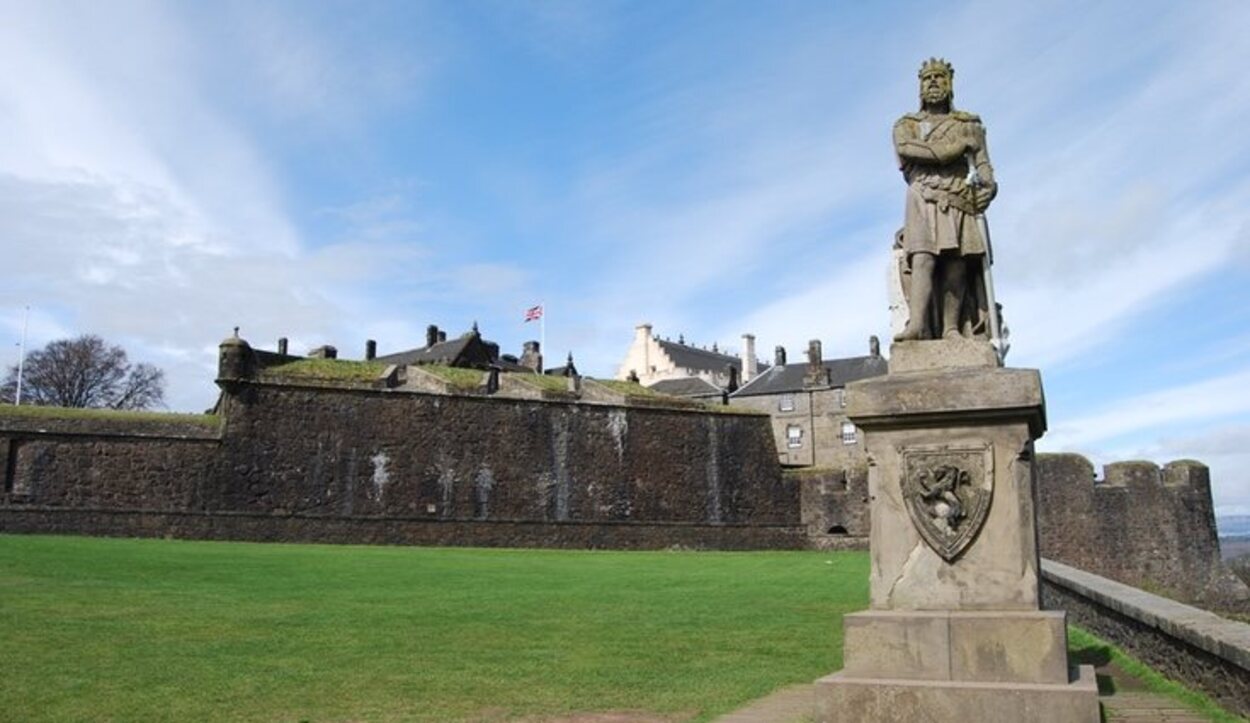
(159, 630)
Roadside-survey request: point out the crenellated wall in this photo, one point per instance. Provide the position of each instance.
(1141, 524)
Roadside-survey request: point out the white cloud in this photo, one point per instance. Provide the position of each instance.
(1158, 409)
(1204, 420)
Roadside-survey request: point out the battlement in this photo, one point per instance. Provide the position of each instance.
(1139, 474)
(1070, 468)
(1142, 524)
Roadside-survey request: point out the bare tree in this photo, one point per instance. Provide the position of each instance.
(85, 372)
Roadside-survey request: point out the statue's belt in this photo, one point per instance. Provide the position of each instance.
(946, 200)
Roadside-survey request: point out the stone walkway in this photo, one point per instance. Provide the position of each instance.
(1124, 700)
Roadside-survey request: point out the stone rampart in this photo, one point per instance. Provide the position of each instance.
(1147, 526)
(834, 506)
(107, 462)
(1197, 647)
(306, 462)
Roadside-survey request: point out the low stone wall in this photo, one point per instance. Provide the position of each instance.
(256, 527)
(1204, 650)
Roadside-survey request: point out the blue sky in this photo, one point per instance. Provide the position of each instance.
(337, 172)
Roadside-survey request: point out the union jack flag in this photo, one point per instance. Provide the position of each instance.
(534, 313)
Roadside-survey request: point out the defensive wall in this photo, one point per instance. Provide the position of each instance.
(413, 460)
(355, 463)
(1150, 527)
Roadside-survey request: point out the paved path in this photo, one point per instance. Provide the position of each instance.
(788, 705)
(1126, 701)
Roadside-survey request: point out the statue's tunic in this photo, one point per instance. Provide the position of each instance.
(940, 206)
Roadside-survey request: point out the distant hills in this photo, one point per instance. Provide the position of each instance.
(1233, 526)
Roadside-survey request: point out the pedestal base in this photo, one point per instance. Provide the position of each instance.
(973, 646)
(957, 667)
(842, 698)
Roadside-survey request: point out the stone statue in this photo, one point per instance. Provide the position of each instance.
(950, 182)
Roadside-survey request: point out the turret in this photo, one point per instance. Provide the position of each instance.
(235, 361)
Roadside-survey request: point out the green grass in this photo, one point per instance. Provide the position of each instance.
(463, 379)
(100, 629)
(165, 630)
(345, 370)
(125, 415)
(1084, 647)
(629, 388)
(545, 382)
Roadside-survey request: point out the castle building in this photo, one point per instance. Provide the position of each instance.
(686, 370)
(807, 404)
(805, 400)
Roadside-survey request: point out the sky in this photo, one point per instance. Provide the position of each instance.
(340, 171)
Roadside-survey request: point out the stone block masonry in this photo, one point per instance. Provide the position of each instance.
(303, 461)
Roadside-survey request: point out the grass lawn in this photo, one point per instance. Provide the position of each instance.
(100, 629)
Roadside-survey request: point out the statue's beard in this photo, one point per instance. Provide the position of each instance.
(934, 96)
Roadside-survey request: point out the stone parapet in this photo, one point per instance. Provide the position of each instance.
(1197, 647)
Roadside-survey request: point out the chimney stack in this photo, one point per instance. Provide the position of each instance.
(642, 337)
(874, 346)
(371, 350)
(750, 365)
(431, 335)
(815, 375)
(779, 356)
(532, 357)
(282, 345)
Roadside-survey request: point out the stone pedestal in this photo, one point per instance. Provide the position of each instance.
(955, 631)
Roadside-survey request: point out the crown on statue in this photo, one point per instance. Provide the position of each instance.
(937, 64)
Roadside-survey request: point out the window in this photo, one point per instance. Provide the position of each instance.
(848, 433)
(839, 396)
(794, 436)
(786, 403)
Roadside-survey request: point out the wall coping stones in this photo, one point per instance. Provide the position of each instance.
(1223, 638)
(109, 427)
(624, 402)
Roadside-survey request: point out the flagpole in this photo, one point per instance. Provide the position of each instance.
(542, 327)
(21, 358)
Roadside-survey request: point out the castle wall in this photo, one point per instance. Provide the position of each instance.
(1141, 524)
(354, 452)
(107, 463)
(366, 455)
(834, 501)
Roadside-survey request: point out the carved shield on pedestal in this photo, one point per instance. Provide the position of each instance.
(947, 491)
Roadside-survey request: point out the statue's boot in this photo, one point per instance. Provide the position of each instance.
(911, 332)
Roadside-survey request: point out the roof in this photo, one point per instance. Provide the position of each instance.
(686, 387)
(691, 357)
(443, 352)
(789, 378)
